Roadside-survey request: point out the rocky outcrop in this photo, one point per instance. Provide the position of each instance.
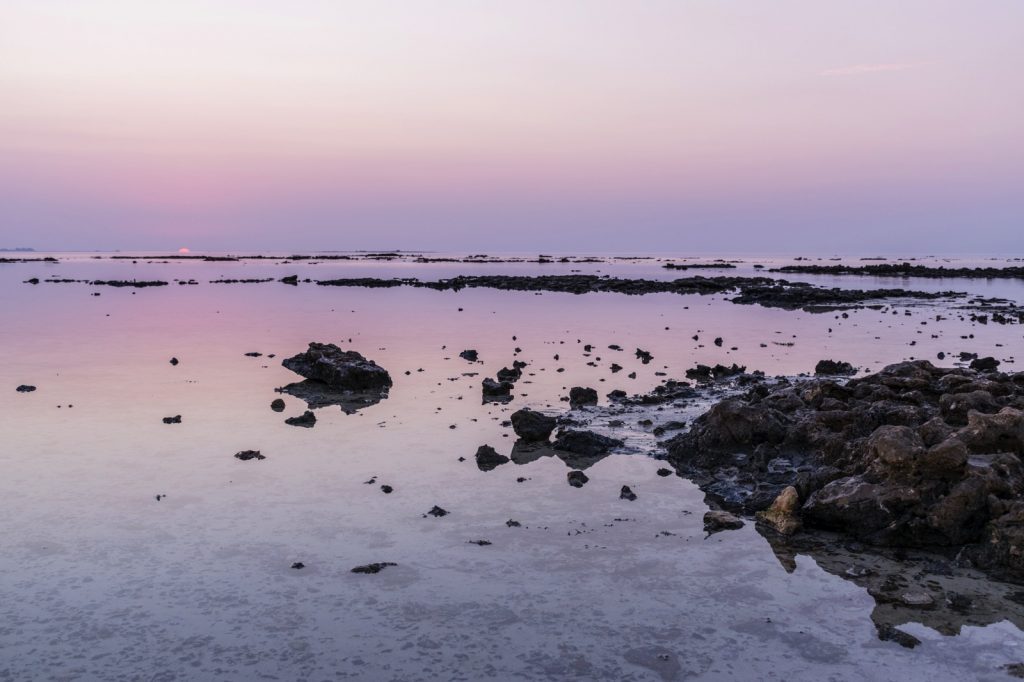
(338, 369)
(913, 456)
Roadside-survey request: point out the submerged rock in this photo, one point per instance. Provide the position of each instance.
(376, 567)
(532, 426)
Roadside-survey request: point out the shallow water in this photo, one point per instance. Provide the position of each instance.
(99, 580)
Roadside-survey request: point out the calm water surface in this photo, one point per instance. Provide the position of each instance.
(99, 580)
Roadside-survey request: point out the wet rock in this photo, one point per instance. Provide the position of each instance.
(386, 489)
(290, 279)
(717, 520)
(298, 565)
(784, 515)
(644, 356)
(176, 419)
(911, 456)
(487, 458)
(532, 426)
(577, 479)
(253, 354)
(246, 455)
(705, 373)
(669, 426)
(25, 388)
(277, 405)
(338, 369)
(888, 633)
(585, 442)
(174, 361)
(376, 567)
(306, 420)
(470, 355)
(663, 472)
(834, 368)
(627, 494)
(479, 543)
(513, 524)
(580, 396)
(437, 511)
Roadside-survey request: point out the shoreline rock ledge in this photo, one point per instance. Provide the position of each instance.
(912, 456)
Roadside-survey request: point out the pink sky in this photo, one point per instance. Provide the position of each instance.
(573, 125)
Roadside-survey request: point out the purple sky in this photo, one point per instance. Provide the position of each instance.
(534, 125)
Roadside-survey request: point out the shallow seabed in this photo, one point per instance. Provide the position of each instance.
(101, 581)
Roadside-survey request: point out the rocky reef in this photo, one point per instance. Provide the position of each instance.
(912, 456)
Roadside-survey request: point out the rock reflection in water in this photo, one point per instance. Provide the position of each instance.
(908, 586)
(317, 394)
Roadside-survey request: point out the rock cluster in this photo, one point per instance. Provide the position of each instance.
(912, 456)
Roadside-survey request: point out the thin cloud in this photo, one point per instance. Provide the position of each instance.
(858, 69)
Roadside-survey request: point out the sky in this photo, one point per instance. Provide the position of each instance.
(847, 126)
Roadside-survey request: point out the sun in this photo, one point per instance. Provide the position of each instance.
(183, 249)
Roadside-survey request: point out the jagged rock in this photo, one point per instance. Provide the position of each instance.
(246, 455)
(988, 364)
(783, 516)
(338, 369)
(470, 355)
(627, 494)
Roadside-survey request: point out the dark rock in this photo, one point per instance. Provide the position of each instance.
(386, 489)
(644, 356)
(580, 396)
(577, 479)
(298, 565)
(306, 420)
(585, 443)
(174, 361)
(25, 388)
(533, 426)
(663, 472)
(669, 426)
(253, 354)
(176, 419)
(717, 520)
(487, 458)
(911, 456)
(627, 494)
(246, 455)
(480, 543)
(437, 511)
(470, 355)
(374, 567)
(834, 368)
(506, 375)
(338, 369)
(277, 405)
(290, 279)
(496, 390)
(989, 364)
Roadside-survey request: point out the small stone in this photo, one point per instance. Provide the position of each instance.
(246, 455)
(374, 567)
(627, 494)
(782, 516)
(577, 479)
